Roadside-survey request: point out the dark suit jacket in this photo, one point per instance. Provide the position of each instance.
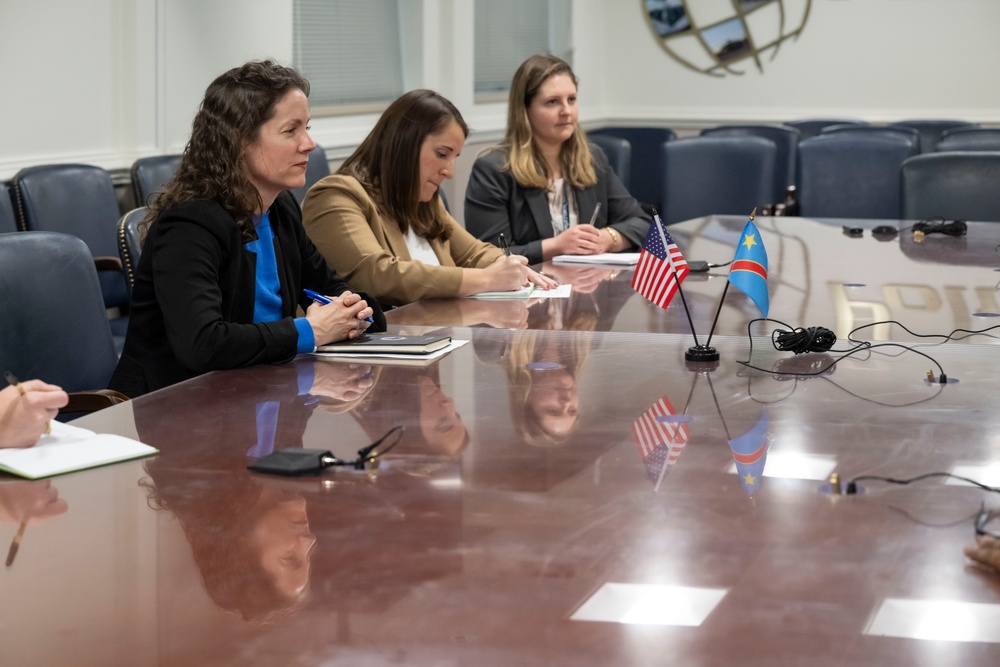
(495, 203)
(193, 300)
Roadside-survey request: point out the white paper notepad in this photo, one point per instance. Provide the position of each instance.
(69, 448)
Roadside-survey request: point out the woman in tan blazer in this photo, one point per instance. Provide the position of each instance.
(380, 221)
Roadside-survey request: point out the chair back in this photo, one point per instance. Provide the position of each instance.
(317, 168)
(844, 175)
(970, 139)
(786, 140)
(879, 130)
(74, 199)
(55, 325)
(149, 174)
(130, 243)
(646, 168)
(8, 221)
(619, 152)
(931, 130)
(811, 127)
(952, 185)
(721, 175)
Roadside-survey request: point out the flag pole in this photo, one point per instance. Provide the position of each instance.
(686, 311)
(712, 355)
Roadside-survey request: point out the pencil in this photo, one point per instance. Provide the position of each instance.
(15, 544)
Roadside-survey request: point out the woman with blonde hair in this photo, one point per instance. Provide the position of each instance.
(380, 222)
(545, 188)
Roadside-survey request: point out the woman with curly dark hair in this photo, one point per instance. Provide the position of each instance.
(225, 259)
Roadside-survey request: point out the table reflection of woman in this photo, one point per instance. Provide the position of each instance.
(250, 538)
(413, 397)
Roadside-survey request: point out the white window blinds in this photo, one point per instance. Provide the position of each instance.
(349, 50)
(508, 32)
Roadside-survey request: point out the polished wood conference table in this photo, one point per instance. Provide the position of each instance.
(818, 275)
(559, 497)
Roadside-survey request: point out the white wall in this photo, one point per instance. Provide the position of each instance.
(106, 81)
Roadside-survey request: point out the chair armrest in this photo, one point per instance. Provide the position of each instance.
(92, 401)
(107, 263)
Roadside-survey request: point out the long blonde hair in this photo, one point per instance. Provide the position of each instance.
(524, 160)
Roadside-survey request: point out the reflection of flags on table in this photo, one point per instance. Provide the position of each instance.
(660, 440)
(749, 269)
(659, 259)
(750, 453)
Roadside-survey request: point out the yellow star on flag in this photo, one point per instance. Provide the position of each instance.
(750, 241)
(749, 480)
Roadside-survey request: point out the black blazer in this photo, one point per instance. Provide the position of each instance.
(193, 299)
(495, 203)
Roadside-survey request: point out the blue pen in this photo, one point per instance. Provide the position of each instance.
(319, 298)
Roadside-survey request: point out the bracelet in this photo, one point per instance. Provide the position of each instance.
(615, 237)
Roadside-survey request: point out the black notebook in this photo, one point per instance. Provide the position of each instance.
(388, 343)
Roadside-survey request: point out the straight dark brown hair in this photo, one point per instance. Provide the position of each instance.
(387, 163)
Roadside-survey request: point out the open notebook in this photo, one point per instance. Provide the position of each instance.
(69, 448)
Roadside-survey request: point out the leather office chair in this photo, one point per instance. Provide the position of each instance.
(80, 200)
(811, 127)
(970, 139)
(149, 174)
(879, 130)
(952, 186)
(130, 243)
(619, 152)
(8, 221)
(646, 168)
(317, 168)
(55, 325)
(930, 130)
(722, 175)
(785, 138)
(844, 175)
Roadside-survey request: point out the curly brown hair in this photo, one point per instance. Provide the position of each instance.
(387, 163)
(214, 164)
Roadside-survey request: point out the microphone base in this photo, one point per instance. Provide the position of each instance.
(701, 353)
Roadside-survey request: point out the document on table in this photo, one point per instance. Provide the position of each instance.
(523, 293)
(561, 292)
(605, 258)
(69, 448)
(385, 358)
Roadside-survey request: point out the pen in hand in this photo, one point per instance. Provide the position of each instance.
(319, 298)
(502, 242)
(593, 218)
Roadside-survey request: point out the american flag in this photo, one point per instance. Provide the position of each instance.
(659, 260)
(660, 439)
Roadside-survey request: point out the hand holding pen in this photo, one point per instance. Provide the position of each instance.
(26, 410)
(347, 316)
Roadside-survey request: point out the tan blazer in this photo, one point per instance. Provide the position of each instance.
(367, 249)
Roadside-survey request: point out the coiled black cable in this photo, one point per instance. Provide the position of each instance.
(803, 339)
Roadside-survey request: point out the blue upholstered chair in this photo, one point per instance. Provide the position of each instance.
(8, 221)
(619, 152)
(786, 140)
(811, 127)
(646, 169)
(149, 174)
(878, 130)
(130, 243)
(723, 175)
(930, 130)
(952, 186)
(80, 200)
(970, 139)
(844, 175)
(317, 168)
(55, 327)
